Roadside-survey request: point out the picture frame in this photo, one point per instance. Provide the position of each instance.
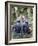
(19, 9)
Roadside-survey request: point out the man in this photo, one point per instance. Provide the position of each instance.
(25, 24)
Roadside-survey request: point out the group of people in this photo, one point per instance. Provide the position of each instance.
(21, 26)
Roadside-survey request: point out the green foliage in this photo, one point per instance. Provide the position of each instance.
(23, 11)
